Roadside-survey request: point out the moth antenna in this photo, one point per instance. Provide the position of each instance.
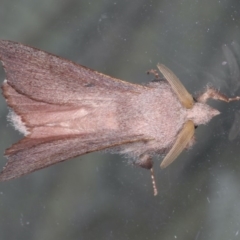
(155, 191)
(215, 94)
(183, 95)
(182, 141)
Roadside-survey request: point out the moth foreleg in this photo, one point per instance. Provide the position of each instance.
(215, 94)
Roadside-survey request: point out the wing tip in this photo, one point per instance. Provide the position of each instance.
(6, 174)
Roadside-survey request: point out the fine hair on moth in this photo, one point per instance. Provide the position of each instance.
(66, 110)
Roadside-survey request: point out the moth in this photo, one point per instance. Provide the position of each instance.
(66, 110)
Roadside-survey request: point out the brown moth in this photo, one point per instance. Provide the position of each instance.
(66, 110)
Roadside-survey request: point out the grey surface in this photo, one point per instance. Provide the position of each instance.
(99, 196)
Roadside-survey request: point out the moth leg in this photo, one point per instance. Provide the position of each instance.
(145, 161)
(215, 94)
(155, 191)
(183, 139)
(155, 73)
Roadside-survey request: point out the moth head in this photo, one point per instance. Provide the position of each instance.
(201, 113)
(198, 112)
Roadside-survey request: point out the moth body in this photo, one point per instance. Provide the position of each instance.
(66, 110)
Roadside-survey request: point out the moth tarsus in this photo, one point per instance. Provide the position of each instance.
(67, 110)
(155, 190)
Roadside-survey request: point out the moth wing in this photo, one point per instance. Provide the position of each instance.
(48, 78)
(29, 155)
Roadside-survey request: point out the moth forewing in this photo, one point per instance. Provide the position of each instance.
(47, 78)
(182, 141)
(184, 96)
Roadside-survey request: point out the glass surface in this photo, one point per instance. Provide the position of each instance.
(101, 196)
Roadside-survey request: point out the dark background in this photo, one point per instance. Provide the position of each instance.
(100, 196)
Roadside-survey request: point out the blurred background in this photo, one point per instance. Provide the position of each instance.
(101, 196)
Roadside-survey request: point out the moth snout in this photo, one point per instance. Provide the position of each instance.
(201, 113)
(214, 112)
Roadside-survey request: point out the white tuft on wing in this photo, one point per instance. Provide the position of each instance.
(17, 122)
